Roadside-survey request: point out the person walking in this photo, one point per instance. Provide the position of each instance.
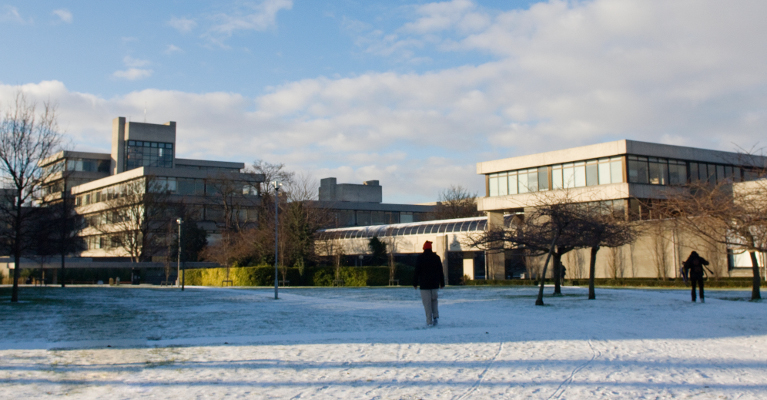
(428, 274)
(694, 267)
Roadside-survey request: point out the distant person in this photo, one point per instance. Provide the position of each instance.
(694, 267)
(428, 273)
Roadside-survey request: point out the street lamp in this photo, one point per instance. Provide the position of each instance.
(179, 277)
(276, 185)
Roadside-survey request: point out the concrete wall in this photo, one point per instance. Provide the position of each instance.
(368, 192)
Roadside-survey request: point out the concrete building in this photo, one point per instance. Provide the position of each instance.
(362, 205)
(143, 161)
(623, 174)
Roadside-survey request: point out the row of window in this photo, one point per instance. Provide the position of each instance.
(661, 171)
(170, 185)
(365, 218)
(473, 225)
(78, 164)
(560, 176)
(647, 170)
(148, 154)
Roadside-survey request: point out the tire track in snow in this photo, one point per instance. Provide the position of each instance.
(563, 386)
(482, 375)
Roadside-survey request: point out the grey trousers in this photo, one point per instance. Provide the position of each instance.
(429, 298)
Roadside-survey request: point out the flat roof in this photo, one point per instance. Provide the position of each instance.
(617, 148)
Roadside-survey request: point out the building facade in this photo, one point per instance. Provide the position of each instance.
(362, 205)
(141, 188)
(623, 174)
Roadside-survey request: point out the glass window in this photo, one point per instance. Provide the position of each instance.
(658, 170)
(580, 174)
(523, 186)
(442, 228)
(694, 174)
(450, 227)
(592, 174)
(503, 188)
(532, 180)
(473, 225)
(465, 226)
(556, 177)
(604, 171)
(405, 217)
(513, 183)
(677, 171)
(421, 229)
(616, 169)
(493, 183)
(543, 178)
(638, 169)
(720, 173)
(712, 174)
(568, 175)
(728, 172)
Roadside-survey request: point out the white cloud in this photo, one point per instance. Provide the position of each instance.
(182, 24)
(564, 73)
(64, 15)
(135, 62)
(11, 14)
(172, 49)
(133, 74)
(258, 17)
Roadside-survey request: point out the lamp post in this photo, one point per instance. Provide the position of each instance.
(276, 185)
(179, 277)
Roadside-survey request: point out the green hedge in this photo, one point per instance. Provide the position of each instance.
(263, 275)
(634, 282)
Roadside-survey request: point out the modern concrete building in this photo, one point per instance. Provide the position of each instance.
(623, 174)
(362, 205)
(143, 161)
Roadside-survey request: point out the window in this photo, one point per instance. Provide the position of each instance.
(592, 173)
(568, 175)
(493, 184)
(638, 169)
(604, 171)
(405, 217)
(677, 172)
(556, 177)
(658, 171)
(523, 186)
(503, 182)
(513, 183)
(543, 178)
(579, 172)
(616, 169)
(148, 154)
(694, 174)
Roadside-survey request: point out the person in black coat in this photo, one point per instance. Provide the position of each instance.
(694, 267)
(428, 274)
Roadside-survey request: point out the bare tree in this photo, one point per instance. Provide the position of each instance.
(26, 138)
(602, 226)
(132, 218)
(735, 216)
(456, 202)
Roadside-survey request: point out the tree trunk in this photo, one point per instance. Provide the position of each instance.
(557, 272)
(539, 300)
(592, 268)
(17, 249)
(755, 295)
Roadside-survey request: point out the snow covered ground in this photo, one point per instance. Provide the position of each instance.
(129, 342)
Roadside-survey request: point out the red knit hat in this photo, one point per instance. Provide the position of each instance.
(427, 245)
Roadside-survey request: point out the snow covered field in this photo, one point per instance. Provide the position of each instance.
(129, 342)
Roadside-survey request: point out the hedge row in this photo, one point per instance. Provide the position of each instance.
(634, 282)
(263, 275)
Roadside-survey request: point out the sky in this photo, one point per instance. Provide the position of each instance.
(408, 92)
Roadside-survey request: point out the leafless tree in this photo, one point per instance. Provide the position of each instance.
(602, 226)
(456, 202)
(732, 215)
(26, 138)
(132, 217)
